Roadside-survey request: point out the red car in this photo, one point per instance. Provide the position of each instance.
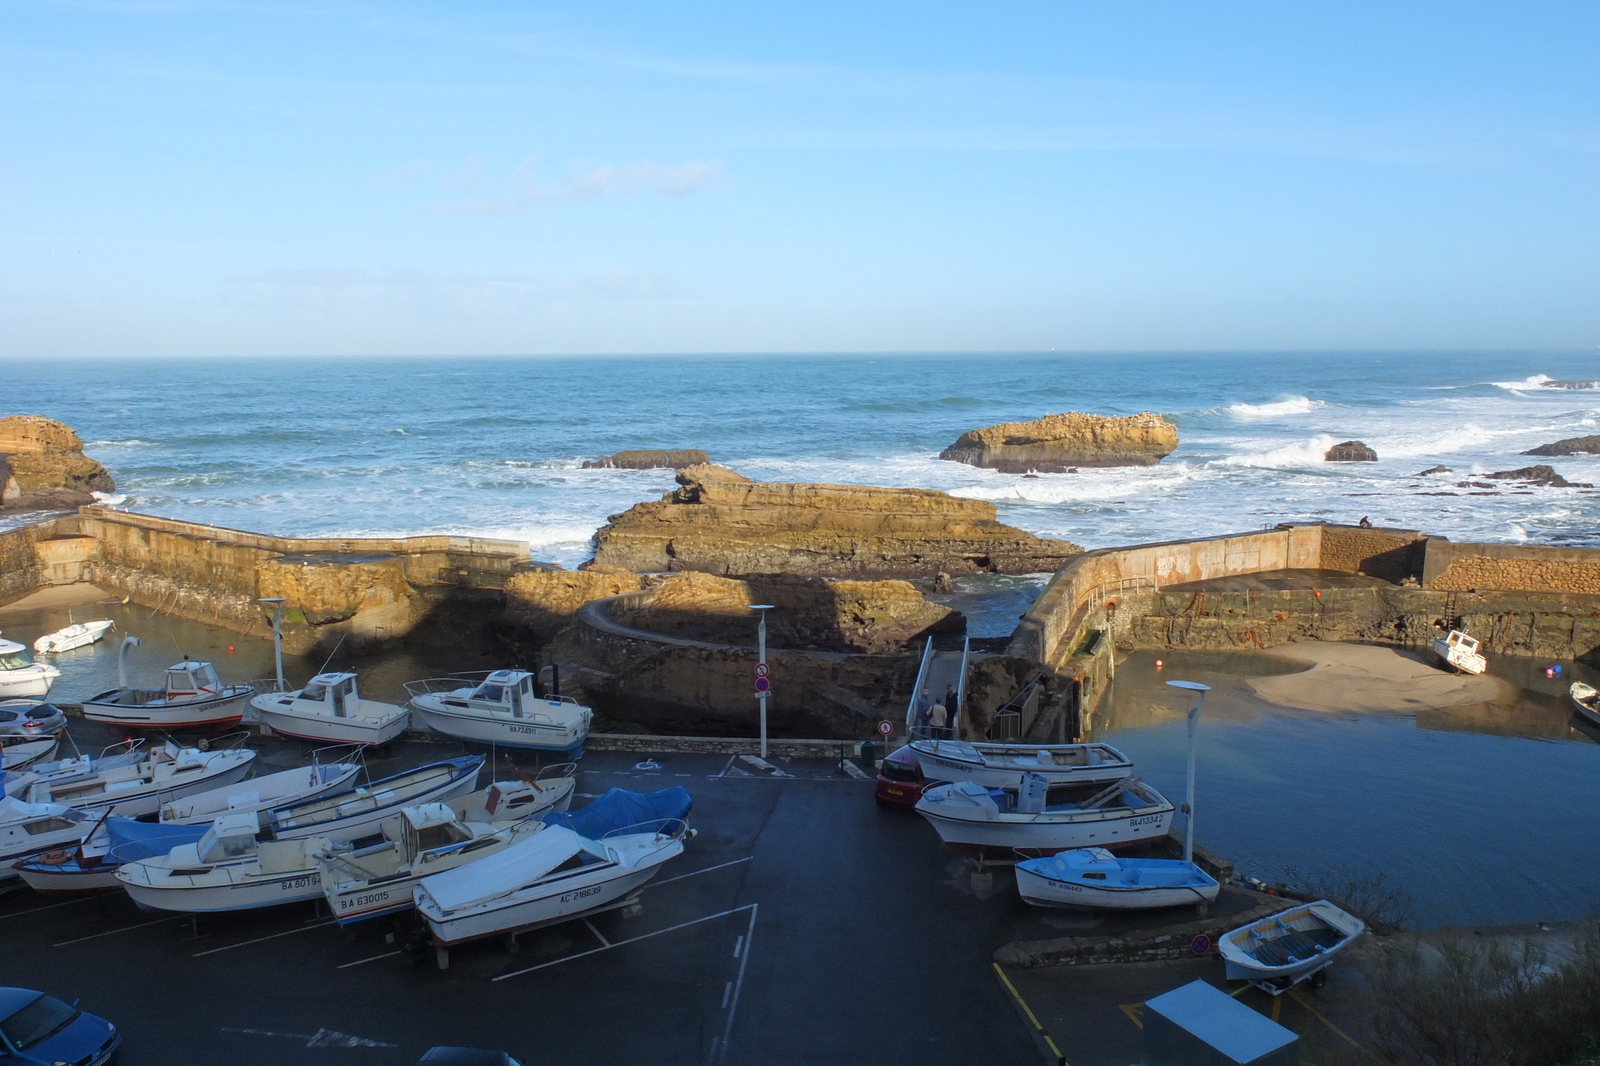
(900, 780)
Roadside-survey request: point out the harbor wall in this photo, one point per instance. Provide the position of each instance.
(1524, 568)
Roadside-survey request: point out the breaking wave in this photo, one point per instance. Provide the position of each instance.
(1289, 405)
(1537, 381)
(1302, 453)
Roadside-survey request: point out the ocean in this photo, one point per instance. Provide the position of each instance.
(494, 447)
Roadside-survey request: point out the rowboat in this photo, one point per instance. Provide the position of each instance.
(501, 710)
(192, 698)
(1584, 701)
(1036, 820)
(23, 755)
(26, 828)
(1095, 878)
(77, 635)
(260, 794)
(105, 843)
(330, 709)
(1291, 946)
(1460, 651)
(1002, 765)
(362, 811)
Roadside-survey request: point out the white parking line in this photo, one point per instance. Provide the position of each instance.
(631, 940)
(697, 873)
(113, 932)
(259, 939)
(370, 958)
(598, 935)
(738, 946)
(719, 1051)
(53, 906)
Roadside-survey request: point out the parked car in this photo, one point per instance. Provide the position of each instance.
(25, 719)
(900, 780)
(40, 1030)
(466, 1056)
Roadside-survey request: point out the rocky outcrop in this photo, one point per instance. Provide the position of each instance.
(868, 617)
(547, 600)
(1570, 446)
(42, 466)
(1057, 443)
(649, 459)
(1440, 469)
(1350, 451)
(1538, 475)
(1571, 384)
(722, 523)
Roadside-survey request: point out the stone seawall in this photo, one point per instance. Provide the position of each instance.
(1523, 568)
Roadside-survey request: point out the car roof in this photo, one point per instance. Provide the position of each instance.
(905, 756)
(14, 999)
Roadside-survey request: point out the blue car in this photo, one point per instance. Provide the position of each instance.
(40, 1030)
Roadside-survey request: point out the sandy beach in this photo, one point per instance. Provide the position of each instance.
(1363, 679)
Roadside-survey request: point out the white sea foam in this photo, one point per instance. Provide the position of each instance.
(130, 443)
(1285, 456)
(1535, 382)
(1289, 405)
(110, 499)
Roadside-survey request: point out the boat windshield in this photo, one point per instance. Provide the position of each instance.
(216, 847)
(315, 693)
(492, 693)
(38, 1021)
(15, 660)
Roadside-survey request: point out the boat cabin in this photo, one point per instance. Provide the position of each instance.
(188, 680)
(14, 656)
(232, 836)
(331, 694)
(506, 690)
(1460, 640)
(428, 826)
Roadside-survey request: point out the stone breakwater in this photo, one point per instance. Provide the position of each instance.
(720, 522)
(1057, 443)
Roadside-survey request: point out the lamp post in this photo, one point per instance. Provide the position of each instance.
(763, 686)
(1188, 805)
(277, 633)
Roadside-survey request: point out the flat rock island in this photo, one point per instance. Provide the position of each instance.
(42, 466)
(1058, 443)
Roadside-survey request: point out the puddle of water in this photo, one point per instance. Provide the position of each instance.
(1484, 814)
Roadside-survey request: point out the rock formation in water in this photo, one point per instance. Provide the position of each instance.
(1440, 469)
(42, 466)
(1055, 443)
(1570, 384)
(649, 459)
(720, 522)
(1538, 475)
(1350, 451)
(1570, 446)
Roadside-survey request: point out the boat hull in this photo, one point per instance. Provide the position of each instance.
(501, 731)
(21, 756)
(65, 876)
(1587, 711)
(200, 813)
(227, 709)
(1045, 891)
(32, 680)
(353, 902)
(956, 762)
(330, 730)
(368, 822)
(63, 640)
(137, 804)
(1241, 966)
(247, 894)
(522, 913)
(1046, 835)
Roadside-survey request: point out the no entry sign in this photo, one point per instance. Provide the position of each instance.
(761, 669)
(886, 728)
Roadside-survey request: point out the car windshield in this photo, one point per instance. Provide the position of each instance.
(897, 771)
(38, 1021)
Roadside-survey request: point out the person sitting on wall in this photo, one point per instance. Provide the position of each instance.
(1365, 523)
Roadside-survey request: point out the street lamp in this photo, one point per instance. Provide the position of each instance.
(277, 632)
(763, 685)
(1194, 720)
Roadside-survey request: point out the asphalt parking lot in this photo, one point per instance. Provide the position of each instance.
(802, 924)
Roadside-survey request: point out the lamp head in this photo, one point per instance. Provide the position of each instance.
(762, 606)
(1192, 686)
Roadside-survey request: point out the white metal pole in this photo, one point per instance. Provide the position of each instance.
(761, 697)
(1188, 825)
(277, 633)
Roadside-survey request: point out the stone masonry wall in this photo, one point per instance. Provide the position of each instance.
(1461, 567)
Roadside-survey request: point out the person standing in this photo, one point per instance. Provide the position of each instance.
(952, 706)
(937, 716)
(924, 705)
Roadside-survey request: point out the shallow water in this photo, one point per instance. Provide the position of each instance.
(1483, 817)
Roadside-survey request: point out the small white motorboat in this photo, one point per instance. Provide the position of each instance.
(228, 869)
(1584, 700)
(77, 635)
(23, 755)
(261, 794)
(330, 709)
(503, 710)
(193, 698)
(1002, 765)
(1280, 951)
(1460, 651)
(28, 828)
(552, 876)
(105, 842)
(1095, 878)
(135, 783)
(20, 675)
(430, 839)
(361, 812)
(1037, 820)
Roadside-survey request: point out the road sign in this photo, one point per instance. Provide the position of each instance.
(886, 728)
(1200, 944)
(761, 669)
(762, 685)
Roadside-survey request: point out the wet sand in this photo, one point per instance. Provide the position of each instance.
(1358, 678)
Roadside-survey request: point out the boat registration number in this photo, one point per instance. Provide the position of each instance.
(1149, 819)
(580, 894)
(523, 728)
(357, 902)
(300, 882)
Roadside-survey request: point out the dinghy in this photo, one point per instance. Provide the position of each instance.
(1460, 651)
(23, 755)
(107, 842)
(20, 675)
(227, 869)
(330, 709)
(1002, 765)
(26, 828)
(1279, 952)
(552, 876)
(193, 698)
(133, 782)
(1584, 700)
(1038, 820)
(77, 635)
(501, 710)
(1095, 878)
(260, 794)
(361, 811)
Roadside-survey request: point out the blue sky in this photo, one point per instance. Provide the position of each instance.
(209, 178)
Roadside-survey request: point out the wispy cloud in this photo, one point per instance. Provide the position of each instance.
(524, 189)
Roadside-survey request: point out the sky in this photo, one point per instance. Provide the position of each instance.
(199, 178)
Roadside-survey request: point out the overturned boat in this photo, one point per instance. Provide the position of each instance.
(193, 698)
(330, 710)
(1037, 820)
(1291, 946)
(1002, 765)
(502, 710)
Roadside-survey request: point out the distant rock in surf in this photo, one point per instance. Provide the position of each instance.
(649, 459)
(1057, 443)
(1350, 451)
(1570, 446)
(1440, 469)
(42, 466)
(1538, 475)
(1568, 385)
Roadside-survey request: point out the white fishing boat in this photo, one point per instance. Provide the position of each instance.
(1038, 820)
(1584, 700)
(136, 783)
(430, 839)
(193, 698)
(502, 710)
(261, 794)
(77, 635)
(552, 876)
(20, 675)
(91, 863)
(1460, 651)
(1291, 946)
(331, 710)
(228, 869)
(27, 828)
(1002, 765)
(28, 752)
(362, 811)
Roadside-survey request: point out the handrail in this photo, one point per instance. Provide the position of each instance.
(916, 689)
